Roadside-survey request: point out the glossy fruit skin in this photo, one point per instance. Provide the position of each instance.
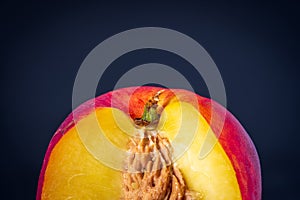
(233, 138)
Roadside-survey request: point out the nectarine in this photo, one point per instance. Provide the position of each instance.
(153, 127)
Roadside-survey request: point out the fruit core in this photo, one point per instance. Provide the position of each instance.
(149, 171)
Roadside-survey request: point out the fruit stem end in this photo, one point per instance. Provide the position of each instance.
(151, 114)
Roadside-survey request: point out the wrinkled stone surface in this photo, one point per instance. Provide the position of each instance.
(149, 172)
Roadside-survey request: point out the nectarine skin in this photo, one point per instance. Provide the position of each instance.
(233, 138)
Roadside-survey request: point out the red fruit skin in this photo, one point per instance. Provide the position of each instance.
(233, 138)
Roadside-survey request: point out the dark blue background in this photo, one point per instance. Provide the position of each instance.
(255, 46)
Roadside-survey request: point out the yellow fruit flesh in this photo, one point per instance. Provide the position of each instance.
(75, 172)
(213, 176)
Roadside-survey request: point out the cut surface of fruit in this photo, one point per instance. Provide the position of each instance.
(76, 170)
(212, 176)
(74, 173)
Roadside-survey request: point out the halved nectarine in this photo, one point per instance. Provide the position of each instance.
(86, 160)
